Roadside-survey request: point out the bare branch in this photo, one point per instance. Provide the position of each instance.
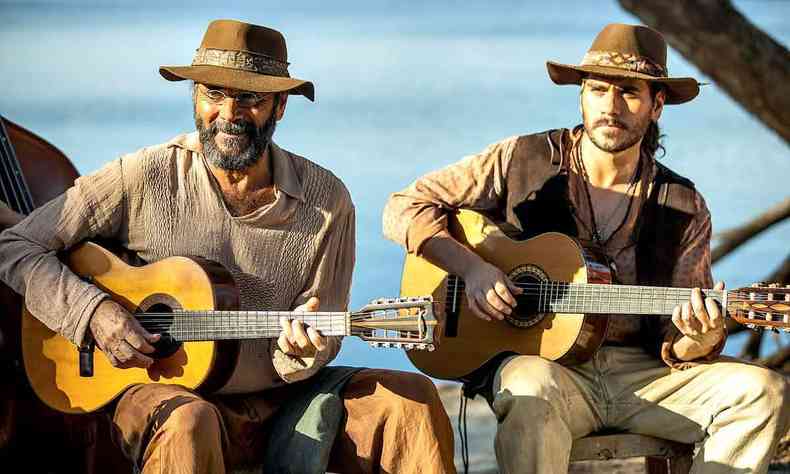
(782, 274)
(730, 240)
(743, 60)
(778, 359)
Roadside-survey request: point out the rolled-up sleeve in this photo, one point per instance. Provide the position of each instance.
(692, 270)
(414, 215)
(331, 283)
(28, 251)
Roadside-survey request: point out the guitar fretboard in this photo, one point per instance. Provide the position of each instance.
(219, 325)
(613, 299)
(561, 297)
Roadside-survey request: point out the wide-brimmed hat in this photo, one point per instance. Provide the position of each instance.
(241, 56)
(627, 51)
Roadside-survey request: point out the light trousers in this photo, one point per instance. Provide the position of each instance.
(737, 411)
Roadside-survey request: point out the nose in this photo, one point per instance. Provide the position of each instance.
(612, 101)
(229, 109)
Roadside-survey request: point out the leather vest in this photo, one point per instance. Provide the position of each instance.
(538, 201)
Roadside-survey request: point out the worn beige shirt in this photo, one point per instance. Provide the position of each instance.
(162, 201)
(478, 182)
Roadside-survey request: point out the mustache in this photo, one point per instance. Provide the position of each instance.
(610, 122)
(232, 128)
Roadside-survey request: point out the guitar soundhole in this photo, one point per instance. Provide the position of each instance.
(527, 313)
(161, 323)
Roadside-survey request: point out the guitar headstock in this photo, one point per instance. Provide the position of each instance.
(406, 323)
(761, 305)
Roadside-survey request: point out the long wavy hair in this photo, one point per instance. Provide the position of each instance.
(651, 142)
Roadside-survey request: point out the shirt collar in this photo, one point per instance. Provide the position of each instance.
(286, 179)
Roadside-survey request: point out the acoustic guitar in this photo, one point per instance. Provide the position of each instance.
(193, 303)
(562, 314)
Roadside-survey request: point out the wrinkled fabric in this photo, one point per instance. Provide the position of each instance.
(736, 411)
(395, 423)
(303, 431)
(479, 182)
(163, 201)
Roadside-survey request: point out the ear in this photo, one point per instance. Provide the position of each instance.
(281, 103)
(658, 105)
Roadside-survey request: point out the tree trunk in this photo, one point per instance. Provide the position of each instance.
(744, 61)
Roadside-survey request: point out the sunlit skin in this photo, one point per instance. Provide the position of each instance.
(616, 114)
(119, 335)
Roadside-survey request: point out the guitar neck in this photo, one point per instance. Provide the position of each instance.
(219, 325)
(559, 297)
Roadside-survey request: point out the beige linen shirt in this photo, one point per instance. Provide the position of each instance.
(478, 182)
(163, 201)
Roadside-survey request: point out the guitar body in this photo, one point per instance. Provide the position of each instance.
(466, 342)
(52, 362)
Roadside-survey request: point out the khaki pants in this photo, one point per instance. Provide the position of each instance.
(737, 411)
(395, 424)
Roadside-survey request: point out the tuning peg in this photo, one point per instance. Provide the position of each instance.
(773, 285)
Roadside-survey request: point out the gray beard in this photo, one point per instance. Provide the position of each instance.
(238, 157)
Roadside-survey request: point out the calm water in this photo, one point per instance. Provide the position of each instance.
(402, 88)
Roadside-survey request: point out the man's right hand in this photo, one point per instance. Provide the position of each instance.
(489, 291)
(121, 337)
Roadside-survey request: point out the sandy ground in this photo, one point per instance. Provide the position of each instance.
(481, 426)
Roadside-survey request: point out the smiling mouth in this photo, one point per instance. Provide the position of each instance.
(231, 135)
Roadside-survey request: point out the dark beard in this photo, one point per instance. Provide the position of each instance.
(633, 134)
(238, 157)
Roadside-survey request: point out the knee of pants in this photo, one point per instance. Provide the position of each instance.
(407, 392)
(531, 376)
(757, 386)
(195, 419)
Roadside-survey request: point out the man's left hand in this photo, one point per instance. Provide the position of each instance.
(297, 339)
(701, 320)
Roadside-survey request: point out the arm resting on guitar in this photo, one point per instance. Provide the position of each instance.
(417, 213)
(28, 251)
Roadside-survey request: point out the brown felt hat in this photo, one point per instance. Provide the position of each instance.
(241, 56)
(627, 51)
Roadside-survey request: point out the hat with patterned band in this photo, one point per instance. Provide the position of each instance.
(627, 51)
(241, 56)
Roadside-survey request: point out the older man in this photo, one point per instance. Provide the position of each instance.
(284, 228)
(600, 183)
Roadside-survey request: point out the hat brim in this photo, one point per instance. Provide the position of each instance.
(678, 89)
(238, 79)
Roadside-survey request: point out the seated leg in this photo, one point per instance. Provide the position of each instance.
(167, 428)
(395, 423)
(541, 407)
(739, 411)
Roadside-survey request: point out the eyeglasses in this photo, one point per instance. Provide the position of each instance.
(243, 99)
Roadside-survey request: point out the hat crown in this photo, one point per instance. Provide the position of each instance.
(232, 35)
(632, 40)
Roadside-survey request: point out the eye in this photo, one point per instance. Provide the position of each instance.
(248, 98)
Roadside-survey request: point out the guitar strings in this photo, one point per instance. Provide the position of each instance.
(593, 289)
